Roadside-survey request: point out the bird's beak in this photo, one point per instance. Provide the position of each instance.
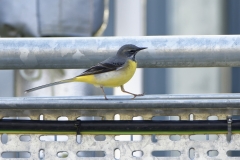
(141, 48)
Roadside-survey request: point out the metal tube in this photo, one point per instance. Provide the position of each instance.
(118, 102)
(163, 51)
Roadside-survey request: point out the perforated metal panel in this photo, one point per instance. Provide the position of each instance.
(107, 147)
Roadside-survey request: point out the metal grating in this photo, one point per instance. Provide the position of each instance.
(106, 149)
(134, 147)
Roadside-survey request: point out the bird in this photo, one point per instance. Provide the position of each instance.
(115, 71)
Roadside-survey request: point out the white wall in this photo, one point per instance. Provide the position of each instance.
(130, 21)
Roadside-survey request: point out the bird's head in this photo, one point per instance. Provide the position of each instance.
(129, 51)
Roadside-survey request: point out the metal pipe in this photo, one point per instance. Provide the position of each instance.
(163, 51)
(118, 102)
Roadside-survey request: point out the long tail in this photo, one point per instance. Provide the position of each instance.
(49, 85)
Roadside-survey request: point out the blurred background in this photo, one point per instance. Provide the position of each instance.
(80, 18)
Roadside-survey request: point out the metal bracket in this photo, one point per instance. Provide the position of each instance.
(229, 126)
(78, 125)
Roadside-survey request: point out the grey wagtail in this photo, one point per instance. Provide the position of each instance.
(112, 72)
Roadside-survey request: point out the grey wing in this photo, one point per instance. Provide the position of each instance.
(105, 66)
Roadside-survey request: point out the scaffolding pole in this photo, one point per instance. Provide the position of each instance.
(199, 101)
(163, 51)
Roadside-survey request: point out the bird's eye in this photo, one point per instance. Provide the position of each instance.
(132, 51)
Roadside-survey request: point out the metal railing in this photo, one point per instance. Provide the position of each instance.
(200, 101)
(166, 51)
(163, 51)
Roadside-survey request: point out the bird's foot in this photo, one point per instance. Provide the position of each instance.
(106, 98)
(135, 95)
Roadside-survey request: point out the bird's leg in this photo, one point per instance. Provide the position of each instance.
(135, 95)
(104, 92)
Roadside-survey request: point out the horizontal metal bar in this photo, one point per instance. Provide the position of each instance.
(163, 51)
(123, 102)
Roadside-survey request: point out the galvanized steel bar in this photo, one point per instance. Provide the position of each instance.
(163, 51)
(122, 102)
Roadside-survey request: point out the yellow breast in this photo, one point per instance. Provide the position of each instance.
(113, 78)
